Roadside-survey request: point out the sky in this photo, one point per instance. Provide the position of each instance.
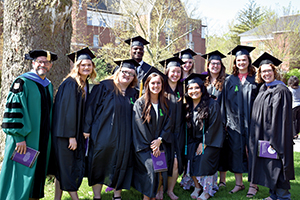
(216, 14)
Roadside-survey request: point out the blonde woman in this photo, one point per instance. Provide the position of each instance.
(108, 125)
(68, 113)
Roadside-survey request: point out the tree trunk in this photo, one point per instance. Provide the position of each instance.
(33, 24)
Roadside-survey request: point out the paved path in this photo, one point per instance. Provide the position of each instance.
(297, 145)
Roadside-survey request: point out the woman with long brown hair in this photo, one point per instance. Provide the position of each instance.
(151, 134)
(108, 125)
(68, 113)
(216, 74)
(187, 56)
(239, 92)
(205, 137)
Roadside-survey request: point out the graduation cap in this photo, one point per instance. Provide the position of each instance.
(266, 58)
(241, 50)
(171, 62)
(33, 54)
(195, 78)
(136, 41)
(81, 54)
(151, 71)
(214, 55)
(185, 54)
(128, 63)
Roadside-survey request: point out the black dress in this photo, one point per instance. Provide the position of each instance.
(145, 180)
(175, 102)
(236, 107)
(272, 121)
(68, 113)
(205, 164)
(108, 120)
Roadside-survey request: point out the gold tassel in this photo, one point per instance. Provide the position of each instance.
(141, 88)
(48, 56)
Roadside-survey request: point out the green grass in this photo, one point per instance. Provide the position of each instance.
(85, 192)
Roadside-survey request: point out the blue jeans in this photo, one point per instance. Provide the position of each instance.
(280, 194)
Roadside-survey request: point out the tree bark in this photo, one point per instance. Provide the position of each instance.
(33, 24)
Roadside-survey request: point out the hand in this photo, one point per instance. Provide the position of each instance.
(86, 135)
(72, 144)
(156, 153)
(155, 144)
(21, 147)
(199, 149)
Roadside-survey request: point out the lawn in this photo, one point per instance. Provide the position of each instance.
(85, 192)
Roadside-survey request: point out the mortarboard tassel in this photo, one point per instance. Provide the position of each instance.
(141, 88)
(48, 56)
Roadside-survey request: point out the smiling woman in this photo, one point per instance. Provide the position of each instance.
(68, 113)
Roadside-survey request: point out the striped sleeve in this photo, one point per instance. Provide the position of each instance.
(16, 121)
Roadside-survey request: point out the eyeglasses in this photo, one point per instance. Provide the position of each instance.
(127, 73)
(267, 71)
(46, 63)
(215, 63)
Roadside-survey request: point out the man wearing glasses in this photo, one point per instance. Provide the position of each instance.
(26, 122)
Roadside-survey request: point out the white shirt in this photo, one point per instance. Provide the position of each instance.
(155, 106)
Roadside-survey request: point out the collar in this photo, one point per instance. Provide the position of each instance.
(36, 78)
(275, 82)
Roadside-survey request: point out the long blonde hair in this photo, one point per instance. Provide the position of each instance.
(75, 75)
(115, 78)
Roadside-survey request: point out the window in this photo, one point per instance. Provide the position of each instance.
(102, 23)
(96, 40)
(89, 20)
(80, 5)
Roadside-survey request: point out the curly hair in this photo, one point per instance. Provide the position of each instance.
(75, 75)
(293, 82)
(115, 78)
(202, 111)
(220, 79)
(251, 69)
(161, 98)
(258, 78)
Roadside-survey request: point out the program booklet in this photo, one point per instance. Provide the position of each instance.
(28, 159)
(159, 163)
(265, 150)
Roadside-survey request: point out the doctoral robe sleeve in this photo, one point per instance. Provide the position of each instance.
(65, 119)
(214, 133)
(16, 120)
(94, 105)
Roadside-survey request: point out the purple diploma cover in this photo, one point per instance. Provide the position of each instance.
(27, 159)
(159, 163)
(265, 150)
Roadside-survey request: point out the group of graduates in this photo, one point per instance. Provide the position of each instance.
(139, 119)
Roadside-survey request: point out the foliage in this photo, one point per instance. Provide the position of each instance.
(85, 192)
(248, 18)
(280, 37)
(165, 31)
(102, 68)
(293, 72)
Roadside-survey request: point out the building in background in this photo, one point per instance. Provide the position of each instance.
(94, 25)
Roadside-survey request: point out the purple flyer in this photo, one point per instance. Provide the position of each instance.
(159, 163)
(265, 150)
(27, 159)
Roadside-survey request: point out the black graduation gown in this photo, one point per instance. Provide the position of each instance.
(145, 180)
(108, 120)
(236, 105)
(206, 164)
(272, 121)
(211, 89)
(68, 113)
(175, 102)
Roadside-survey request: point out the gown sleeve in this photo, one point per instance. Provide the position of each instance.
(65, 119)
(16, 121)
(214, 133)
(94, 105)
